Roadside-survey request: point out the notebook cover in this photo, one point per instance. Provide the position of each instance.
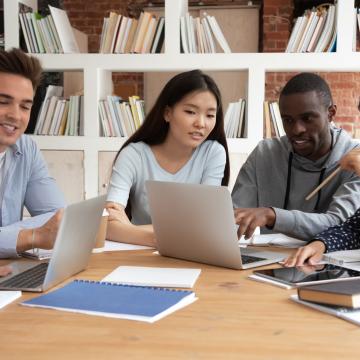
(107, 298)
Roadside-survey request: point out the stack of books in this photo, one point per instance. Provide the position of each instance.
(272, 120)
(315, 31)
(50, 34)
(122, 35)
(202, 35)
(60, 116)
(120, 118)
(341, 299)
(234, 120)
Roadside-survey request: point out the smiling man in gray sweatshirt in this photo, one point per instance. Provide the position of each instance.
(271, 187)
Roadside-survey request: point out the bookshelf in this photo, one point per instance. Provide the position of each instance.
(97, 70)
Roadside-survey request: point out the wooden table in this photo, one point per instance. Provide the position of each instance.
(234, 318)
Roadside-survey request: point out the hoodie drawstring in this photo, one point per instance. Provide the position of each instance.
(322, 173)
(288, 184)
(288, 181)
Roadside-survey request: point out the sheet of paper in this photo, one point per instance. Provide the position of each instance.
(38, 254)
(6, 297)
(152, 276)
(42, 254)
(117, 246)
(280, 240)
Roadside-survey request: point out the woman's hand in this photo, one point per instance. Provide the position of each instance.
(117, 212)
(311, 253)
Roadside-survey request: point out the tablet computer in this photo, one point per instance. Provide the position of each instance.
(308, 274)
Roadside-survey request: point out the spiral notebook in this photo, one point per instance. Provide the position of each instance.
(114, 300)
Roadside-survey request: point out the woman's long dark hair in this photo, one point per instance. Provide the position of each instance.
(154, 129)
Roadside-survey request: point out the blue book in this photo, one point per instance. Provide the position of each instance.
(114, 300)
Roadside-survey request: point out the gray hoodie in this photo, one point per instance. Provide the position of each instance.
(272, 171)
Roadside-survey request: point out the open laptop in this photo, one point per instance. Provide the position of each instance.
(73, 245)
(196, 222)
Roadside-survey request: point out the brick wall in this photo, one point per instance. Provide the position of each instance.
(277, 24)
(345, 86)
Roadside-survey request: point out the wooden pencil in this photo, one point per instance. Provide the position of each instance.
(323, 183)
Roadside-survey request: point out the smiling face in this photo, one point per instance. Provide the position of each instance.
(16, 98)
(192, 119)
(306, 123)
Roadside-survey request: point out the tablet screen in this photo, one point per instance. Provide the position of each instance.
(308, 274)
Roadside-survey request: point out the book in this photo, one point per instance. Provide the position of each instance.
(149, 36)
(278, 123)
(147, 304)
(6, 297)
(327, 31)
(309, 16)
(64, 30)
(25, 31)
(119, 23)
(317, 32)
(294, 34)
(143, 26)
(110, 32)
(352, 315)
(345, 293)
(267, 120)
(131, 36)
(152, 276)
(49, 115)
(159, 36)
(119, 39)
(219, 36)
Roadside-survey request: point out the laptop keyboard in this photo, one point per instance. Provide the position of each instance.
(247, 259)
(32, 278)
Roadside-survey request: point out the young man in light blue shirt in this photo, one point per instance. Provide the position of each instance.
(24, 177)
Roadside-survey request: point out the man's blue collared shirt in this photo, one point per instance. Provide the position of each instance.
(26, 182)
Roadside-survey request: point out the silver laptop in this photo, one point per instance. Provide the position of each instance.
(196, 222)
(73, 245)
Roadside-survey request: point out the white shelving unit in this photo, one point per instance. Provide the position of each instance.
(97, 69)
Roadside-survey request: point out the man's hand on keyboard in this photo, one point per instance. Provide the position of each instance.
(249, 219)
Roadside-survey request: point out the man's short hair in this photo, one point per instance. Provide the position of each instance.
(16, 62)
(305, 82)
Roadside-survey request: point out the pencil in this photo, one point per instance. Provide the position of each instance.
(323, 183)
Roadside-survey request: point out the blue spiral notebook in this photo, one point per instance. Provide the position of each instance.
(114, 300)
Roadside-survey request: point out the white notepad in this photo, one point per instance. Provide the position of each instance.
(6, 297)
(151, 276)
(280, 240)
